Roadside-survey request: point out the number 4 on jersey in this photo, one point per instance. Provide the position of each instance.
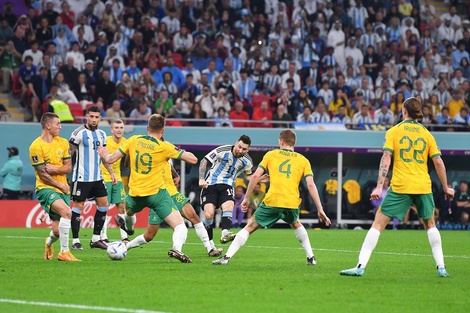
(284, 168)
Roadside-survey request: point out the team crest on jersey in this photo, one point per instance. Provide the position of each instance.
(35, 159)
(212, 155)
(78, 193)
(203, 199)
(51, 196)
(60, 152)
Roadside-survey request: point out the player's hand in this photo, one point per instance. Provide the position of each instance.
(176, 180)
(245, 204)
(203, 183)
(323, 218)
(102, 151)
(65, 189)
(264, 178)
(449, 193)
(375, 195)
(51, 169)
(114, 180)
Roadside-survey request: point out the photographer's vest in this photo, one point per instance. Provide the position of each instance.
(62, 110)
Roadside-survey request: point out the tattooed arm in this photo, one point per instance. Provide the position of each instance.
(383, 172)
(202, 172)
(48, 179)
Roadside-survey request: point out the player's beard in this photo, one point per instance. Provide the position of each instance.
(91, 127)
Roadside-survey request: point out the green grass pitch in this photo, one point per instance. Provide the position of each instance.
(267, 275)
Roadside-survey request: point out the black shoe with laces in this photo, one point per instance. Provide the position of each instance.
(122, 224)
(183, 258)
(77, 246)
(98, 244)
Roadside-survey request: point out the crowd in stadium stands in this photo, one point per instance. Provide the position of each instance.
(223, 62)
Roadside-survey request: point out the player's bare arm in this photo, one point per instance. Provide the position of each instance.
(63, 170)
(72, 148)
(441, 172)
(202, 172)
(110, 171)
(312, 189)
(175, 175)
(255, 178)
(48, 179)
(103, 152)
(188, 157)
(383, 172)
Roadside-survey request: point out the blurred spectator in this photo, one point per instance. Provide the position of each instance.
(363, 116)
(239, 114)
(11, 173)
(462, 118)
(255, 199)
(384, 116)
(281, 115)
(168, 85)
(164, 104)
(64, 92)
(115, 111)
(428, 118)
(305, 116)
(39, 88)
(197, 113)
(207, 101)
(221, 101)
(82, 90)
(141, 114)
(182, 41)
(50, 13)
(238, 214)
(105, 88)
(6, 32)
(262, 114)
(455, 103)
(221, 118)
(9, 64)
(341, 117)
(189, 69)
(183, 105)
(461, 203)
(291, 74)
(320, 115)
(34, 53)
(444, 118)
(26, 73)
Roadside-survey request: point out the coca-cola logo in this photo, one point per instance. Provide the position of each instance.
(37, 217)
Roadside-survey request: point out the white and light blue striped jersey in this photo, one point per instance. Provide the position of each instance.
(87, 160)
(225, 166)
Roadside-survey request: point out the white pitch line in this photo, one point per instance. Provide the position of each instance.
(76, 306)
(283, 248)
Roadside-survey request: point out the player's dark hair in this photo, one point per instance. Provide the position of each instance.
(288, 136)
(156, 123)
(413, 107)
(47, 118)
(93, 108)
(245, 139)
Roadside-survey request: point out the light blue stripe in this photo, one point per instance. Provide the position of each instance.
(218, 171)
(102, 208)
(86, 156)
(227, 214)
(78, 211)
(96, 158)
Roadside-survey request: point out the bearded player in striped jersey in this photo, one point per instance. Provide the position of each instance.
(228, 162)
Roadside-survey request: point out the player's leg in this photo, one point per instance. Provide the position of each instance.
(53, 236)
(61, 208)
(134, 205)
(227, 215)
(121, 209)
(140, 240)
(394, 205)
(425, 208)
(292, 218)
(190, 214)
(111, 195)
(44, 197)
(100, 193)
(208, 205)
(80, 192)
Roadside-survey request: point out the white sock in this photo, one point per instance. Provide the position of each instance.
(180, 233)
(368, 246)
(211, 242)
(201, 232)
(302, 236)
(95, 238)
(238, 242)
(136, 242)
(52, 238)
(64, 228)
(75, 240)
(130, 221)
(436, 245)
(104, 233)
(122, 232)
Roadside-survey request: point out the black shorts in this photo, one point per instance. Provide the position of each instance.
(216, 195)
(82, 191)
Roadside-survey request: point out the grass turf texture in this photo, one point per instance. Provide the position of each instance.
(267, 275)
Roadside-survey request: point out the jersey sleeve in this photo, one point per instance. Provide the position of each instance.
(124, 148)
(212, 156)
(35, 155)
(388, 145)
(75, 139)
(264, 162)
(434, 150)
(66, 149)
(103, 135)
(307, 168)
(173, 151)
(248, 167)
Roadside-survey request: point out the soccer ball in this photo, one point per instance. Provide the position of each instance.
(117, 250)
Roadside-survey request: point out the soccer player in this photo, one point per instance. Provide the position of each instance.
(148, 158)
(409, 144)
(87, 180)
(116, 193)
(50, 157)
(286, 169)
(228, 162)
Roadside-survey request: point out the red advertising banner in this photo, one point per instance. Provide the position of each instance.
(29, 214)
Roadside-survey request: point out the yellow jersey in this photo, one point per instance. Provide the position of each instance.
(116, 166)
(148, 157)
(41, 152)
(168, 180)
(411, 144)
(454, 107)
(286, 169)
